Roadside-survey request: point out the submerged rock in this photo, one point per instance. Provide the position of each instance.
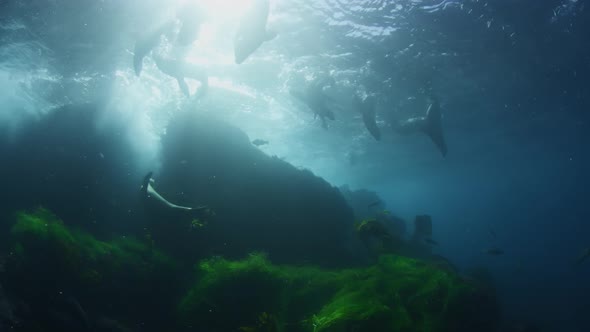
(76, 160)
(368, 206)
(261, 203)
(396, 294)
(79, 162)
(365, 203)
(121, 278)
(70, 279)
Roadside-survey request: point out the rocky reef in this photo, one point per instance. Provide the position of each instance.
(72, 281)
(82, 274)
(262, 203)
(396, 294)
(78, 164)
(50, 264)
(84, 169)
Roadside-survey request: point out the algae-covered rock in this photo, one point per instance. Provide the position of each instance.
(78, 164)
(396, 294)
(51, 259)
(41, 235)
(231, 293)
(377, 238)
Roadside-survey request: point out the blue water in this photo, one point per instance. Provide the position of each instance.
(512, 78)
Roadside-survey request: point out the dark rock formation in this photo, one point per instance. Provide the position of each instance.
(261, 202)
(88, 174)
(367, 204)
(68, 163)
(364, 203)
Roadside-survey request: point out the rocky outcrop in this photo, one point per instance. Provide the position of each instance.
(261, 202)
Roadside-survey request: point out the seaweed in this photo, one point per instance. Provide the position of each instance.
(134, 279)
(396, 294)
(123, 274)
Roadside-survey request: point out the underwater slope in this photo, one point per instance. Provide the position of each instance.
(71, 281)
(260, 202)
(87, 171)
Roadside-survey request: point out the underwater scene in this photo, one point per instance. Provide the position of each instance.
(294, 165)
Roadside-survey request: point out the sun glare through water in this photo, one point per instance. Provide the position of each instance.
(221, 19)
(219, 11)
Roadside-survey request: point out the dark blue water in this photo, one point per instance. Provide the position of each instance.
(512, 78)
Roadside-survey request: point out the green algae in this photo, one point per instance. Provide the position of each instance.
(41, 240)
(249, 295)
(396, 294)
(123, 278)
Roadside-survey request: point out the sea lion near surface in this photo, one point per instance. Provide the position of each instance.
(252, 31)
(431, 125)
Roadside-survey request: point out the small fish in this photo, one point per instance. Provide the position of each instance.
(431, 241)
(259, 142)
(495, 251)
(198, 223)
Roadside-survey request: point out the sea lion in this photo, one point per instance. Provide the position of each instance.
(252, 31)
(431, 125)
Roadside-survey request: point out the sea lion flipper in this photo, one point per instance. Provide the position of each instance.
(434, 127)
(146, 182)
(183, 86)
(367, 109)
(138, 63)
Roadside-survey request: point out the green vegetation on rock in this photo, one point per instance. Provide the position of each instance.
(123, 279)
(42, 238)
(133, 279)
(396, 294)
